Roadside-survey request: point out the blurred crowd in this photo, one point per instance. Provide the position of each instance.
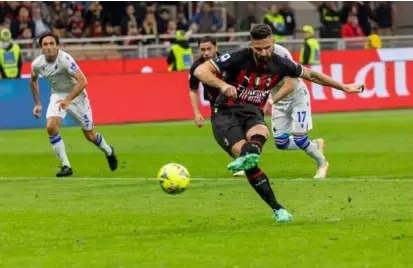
(28, 20)
(76, 19)
(356, 19)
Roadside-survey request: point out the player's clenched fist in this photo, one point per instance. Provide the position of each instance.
(354, 88)
(229, 91)
(198, 119)
(37, 110)
(63, 104)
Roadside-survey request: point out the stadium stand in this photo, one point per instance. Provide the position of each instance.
(113, 30)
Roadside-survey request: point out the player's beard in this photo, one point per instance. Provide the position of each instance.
(207, 58)
(263, 59)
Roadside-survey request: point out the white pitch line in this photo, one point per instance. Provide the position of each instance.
(332, 179)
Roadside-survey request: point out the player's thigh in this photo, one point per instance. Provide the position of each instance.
(227, 131)
(281, 120)
(255, 125)
(81, 112)
(301, 115)
(53, 109)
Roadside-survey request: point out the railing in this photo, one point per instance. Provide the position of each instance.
(113, 48)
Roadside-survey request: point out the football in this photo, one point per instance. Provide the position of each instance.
(173, 178)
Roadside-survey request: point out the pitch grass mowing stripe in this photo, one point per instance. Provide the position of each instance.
(389, 178)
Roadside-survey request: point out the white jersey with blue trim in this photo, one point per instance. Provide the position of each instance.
(299, 86)
(59, 73)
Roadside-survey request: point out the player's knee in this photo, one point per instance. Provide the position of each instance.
(52, 129)
(282, 141)
(301, 140)
(90, 136)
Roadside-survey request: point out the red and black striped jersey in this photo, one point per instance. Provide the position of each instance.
(210, 93)
(253, 81)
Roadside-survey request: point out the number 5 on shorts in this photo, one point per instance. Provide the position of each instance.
(301, 116)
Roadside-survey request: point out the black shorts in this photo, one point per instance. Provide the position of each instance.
(231, 126)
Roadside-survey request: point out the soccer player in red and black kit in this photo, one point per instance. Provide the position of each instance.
(238, 119)
(209, 50)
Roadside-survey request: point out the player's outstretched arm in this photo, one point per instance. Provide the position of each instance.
(34, 86)
(325, 80)
(207, 74)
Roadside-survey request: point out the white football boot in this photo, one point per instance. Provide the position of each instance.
(322, 170)
(240, 173)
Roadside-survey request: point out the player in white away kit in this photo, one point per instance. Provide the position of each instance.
(291, 113)
(68, 96)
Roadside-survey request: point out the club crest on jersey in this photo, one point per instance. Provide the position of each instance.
(73, 66)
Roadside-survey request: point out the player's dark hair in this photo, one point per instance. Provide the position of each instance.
(260, 32)
(46, 34)
(207, 39)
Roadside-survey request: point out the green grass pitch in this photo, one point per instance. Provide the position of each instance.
(362, 216)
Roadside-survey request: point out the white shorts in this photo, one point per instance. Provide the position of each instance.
(79, 110)
(292, 116)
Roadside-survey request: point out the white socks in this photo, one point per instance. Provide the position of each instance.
(314, 153)
(59, 148)
(101, 143)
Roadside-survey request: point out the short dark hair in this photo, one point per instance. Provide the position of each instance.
(46, 34)
(260, 31)
(207, 39)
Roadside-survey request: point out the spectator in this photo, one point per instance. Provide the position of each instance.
(9, 10)
(351, 28)
(76, 23)
(27, 34)
(94, 20)
(110, 30)
(22, 22)
(289, 18)
(163, 20)
(27, 4)
(150, 7)
(231, 36)
(206, 21)
(40, 25)
(182, 22)
(130, 20)
(362, 11)
(44, 12)
(329, 19)
(115, 12)
(171, 30)
(276, 21)
(249, 19)
(133, 31)
(2, 17)
(60, 17)
(149, 27)
(385, 15)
